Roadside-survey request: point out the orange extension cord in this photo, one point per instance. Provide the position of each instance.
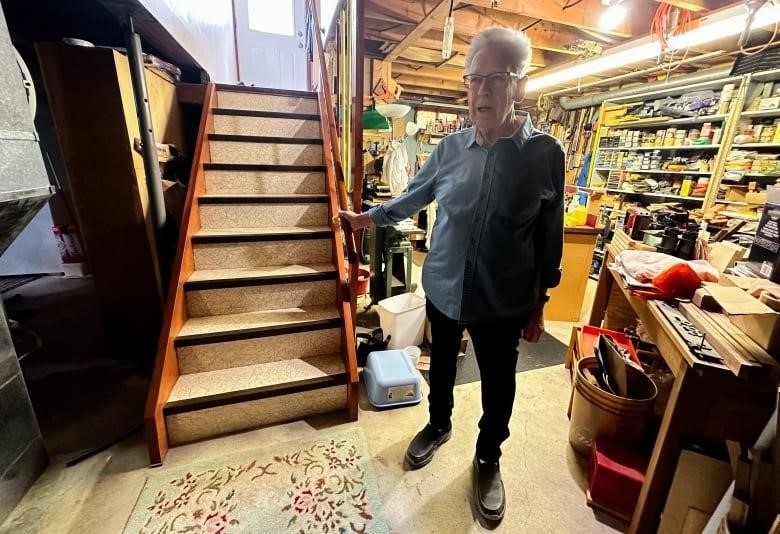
(664, 25)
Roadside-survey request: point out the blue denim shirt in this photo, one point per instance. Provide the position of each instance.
(498, 237)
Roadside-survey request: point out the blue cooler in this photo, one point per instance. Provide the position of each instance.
(391, 380)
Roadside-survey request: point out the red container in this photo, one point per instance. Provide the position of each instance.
(363, 278)
(615, 478)
(590, 335)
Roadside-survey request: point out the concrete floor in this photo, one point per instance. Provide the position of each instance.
(544, 478)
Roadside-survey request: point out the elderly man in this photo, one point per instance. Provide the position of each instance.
(495, 249)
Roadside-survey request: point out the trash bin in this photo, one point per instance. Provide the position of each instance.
(598, 413)
(402, 317)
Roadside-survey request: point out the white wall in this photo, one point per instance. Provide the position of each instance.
(204, 28)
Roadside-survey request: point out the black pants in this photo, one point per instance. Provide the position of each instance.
(495, 345)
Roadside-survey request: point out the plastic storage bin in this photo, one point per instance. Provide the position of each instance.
(403, 318)
(391, 380)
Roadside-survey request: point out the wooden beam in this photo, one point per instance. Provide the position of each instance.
(583, 14)
(543, 35)
(471, 20)
(429, 91)
(691, 5)
(434, 16)
(452, 75)
(420, 81)
(432, 41)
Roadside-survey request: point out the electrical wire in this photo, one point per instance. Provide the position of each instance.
(452, 2)
(531, 25)
(761, 48)
(668, 22)
(568, 5)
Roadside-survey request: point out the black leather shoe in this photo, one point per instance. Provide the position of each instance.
(422, 448)
(489, 496)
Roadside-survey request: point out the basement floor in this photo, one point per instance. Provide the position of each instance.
(544, 478)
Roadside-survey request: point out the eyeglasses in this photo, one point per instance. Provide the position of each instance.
(494, 80)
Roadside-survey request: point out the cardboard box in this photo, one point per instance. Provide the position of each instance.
(698, 486)
(760, 322)
(736, 194)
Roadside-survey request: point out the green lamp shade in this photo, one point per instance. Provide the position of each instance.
(373, 120)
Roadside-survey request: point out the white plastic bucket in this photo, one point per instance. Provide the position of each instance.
(403, 318)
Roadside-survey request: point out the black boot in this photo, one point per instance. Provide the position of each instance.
(489, 496)
(424, 445)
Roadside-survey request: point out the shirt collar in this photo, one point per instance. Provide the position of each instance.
(519, 137)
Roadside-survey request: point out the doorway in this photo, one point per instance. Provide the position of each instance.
(270, 37)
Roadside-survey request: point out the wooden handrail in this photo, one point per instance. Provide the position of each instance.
(337, 199)
(166, 364)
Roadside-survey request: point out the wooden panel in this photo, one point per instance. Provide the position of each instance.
(106, 192)
(566, 299)
(166, 369)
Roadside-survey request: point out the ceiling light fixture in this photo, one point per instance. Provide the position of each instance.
(614, 14)
(723, 24)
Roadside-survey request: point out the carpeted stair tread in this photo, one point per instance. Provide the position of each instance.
(237, 381)
(217, 324)
(253, 198)
(262, 231)
(260, 273)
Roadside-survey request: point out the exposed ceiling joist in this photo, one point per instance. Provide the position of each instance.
(582, 14)
(418, 81)
(453, 75)
(543, 35)
(428, 91)
(433, 42)
(434, 16)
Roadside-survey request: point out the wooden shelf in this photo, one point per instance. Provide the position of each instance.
(646, 123)
(650, 149)
(657, 195)
(756, 145)
(633, 171)
(736, 203)
(760, 114)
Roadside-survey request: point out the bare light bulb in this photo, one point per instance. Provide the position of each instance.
(612, 17)
(446, 43)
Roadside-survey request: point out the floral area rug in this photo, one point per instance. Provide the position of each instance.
(326, 485)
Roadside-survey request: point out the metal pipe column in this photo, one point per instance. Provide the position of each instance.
(149, 146)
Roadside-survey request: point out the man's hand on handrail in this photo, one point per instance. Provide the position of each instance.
(355, 221)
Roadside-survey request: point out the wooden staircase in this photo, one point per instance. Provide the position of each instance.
(259, 325)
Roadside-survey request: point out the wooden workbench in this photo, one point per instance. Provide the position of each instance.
(707, 400)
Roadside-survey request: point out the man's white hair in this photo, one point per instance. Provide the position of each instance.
(515, 45)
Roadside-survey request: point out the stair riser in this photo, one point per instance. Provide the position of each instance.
(262, 254)
(269, 126)
(214, 356)
(259, 102)
(262, 215)
(265, 153)
(265, 183)
(206, 302)
(212, 422)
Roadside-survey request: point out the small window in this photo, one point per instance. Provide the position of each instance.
(277, 17)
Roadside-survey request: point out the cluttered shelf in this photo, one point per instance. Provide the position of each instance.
(652, 194)
(668, 122)
(652, 171)
(653, 148)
